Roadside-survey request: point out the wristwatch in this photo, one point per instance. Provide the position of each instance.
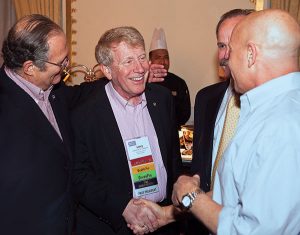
(188, 199)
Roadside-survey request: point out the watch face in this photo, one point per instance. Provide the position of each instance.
(186, 201)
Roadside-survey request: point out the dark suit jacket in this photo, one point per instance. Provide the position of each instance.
(207, 104)
(35, 164)
(101, 175)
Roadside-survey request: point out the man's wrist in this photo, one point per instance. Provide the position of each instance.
(189, 198)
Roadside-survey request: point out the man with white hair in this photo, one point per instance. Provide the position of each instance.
(127, 147)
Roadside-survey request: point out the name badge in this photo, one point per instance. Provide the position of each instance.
(143, 171)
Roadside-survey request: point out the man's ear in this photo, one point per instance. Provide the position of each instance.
(106, 71)
(28, 68)
(251, 54)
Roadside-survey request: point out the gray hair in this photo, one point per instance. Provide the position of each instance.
(110, 38)
(28, 40)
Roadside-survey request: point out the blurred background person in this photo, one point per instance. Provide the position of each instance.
(158, 54)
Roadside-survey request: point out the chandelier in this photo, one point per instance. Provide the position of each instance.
(90, 74)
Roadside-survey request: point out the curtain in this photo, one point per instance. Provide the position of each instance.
(292, 6)
(7, 19)
(50, 8)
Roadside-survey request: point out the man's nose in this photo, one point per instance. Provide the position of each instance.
(227, 53)
(139, 67)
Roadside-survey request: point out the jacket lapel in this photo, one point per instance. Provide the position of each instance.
(154, 107)
(213, 106)
(105, 115)
(62, 119)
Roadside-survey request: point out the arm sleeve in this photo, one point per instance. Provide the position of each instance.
(100, 197)
(269, 192)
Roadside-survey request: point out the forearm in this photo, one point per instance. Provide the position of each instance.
(207, 211)
(170, 214)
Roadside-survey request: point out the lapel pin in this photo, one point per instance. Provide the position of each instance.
(53, 97)
(154, 104)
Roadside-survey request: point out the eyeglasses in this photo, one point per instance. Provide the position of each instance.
(62, 66)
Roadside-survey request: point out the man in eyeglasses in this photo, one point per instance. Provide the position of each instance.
(35, 142)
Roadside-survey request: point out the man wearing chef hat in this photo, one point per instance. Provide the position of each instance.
(158, 54)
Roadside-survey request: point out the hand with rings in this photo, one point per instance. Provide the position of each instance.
(145, 228)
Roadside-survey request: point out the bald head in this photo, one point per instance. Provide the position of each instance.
(275, 31)
(266, 44)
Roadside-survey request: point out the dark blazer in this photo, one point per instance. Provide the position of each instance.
(35, 164)
(101, 175)
(207, 104)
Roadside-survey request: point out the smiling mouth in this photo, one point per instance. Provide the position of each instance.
(137, 78)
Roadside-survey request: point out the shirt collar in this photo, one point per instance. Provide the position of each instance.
(259, 95)
(36, 92)
(123, 102)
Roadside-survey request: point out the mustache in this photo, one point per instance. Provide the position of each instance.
(223, 62)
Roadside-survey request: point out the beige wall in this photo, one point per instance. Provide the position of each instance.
(189, 26)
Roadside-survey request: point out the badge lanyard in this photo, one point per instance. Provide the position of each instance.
(142, 166)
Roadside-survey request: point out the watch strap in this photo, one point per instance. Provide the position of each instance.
(193, 195)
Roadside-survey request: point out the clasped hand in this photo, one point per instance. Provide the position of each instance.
(144, 216)
(184, 184)
(139, 217)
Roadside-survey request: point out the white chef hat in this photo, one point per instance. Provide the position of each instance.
(158, 40)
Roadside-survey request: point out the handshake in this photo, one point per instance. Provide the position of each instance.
(143, 216)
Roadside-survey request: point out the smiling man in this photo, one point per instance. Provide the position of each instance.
(127, 127)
